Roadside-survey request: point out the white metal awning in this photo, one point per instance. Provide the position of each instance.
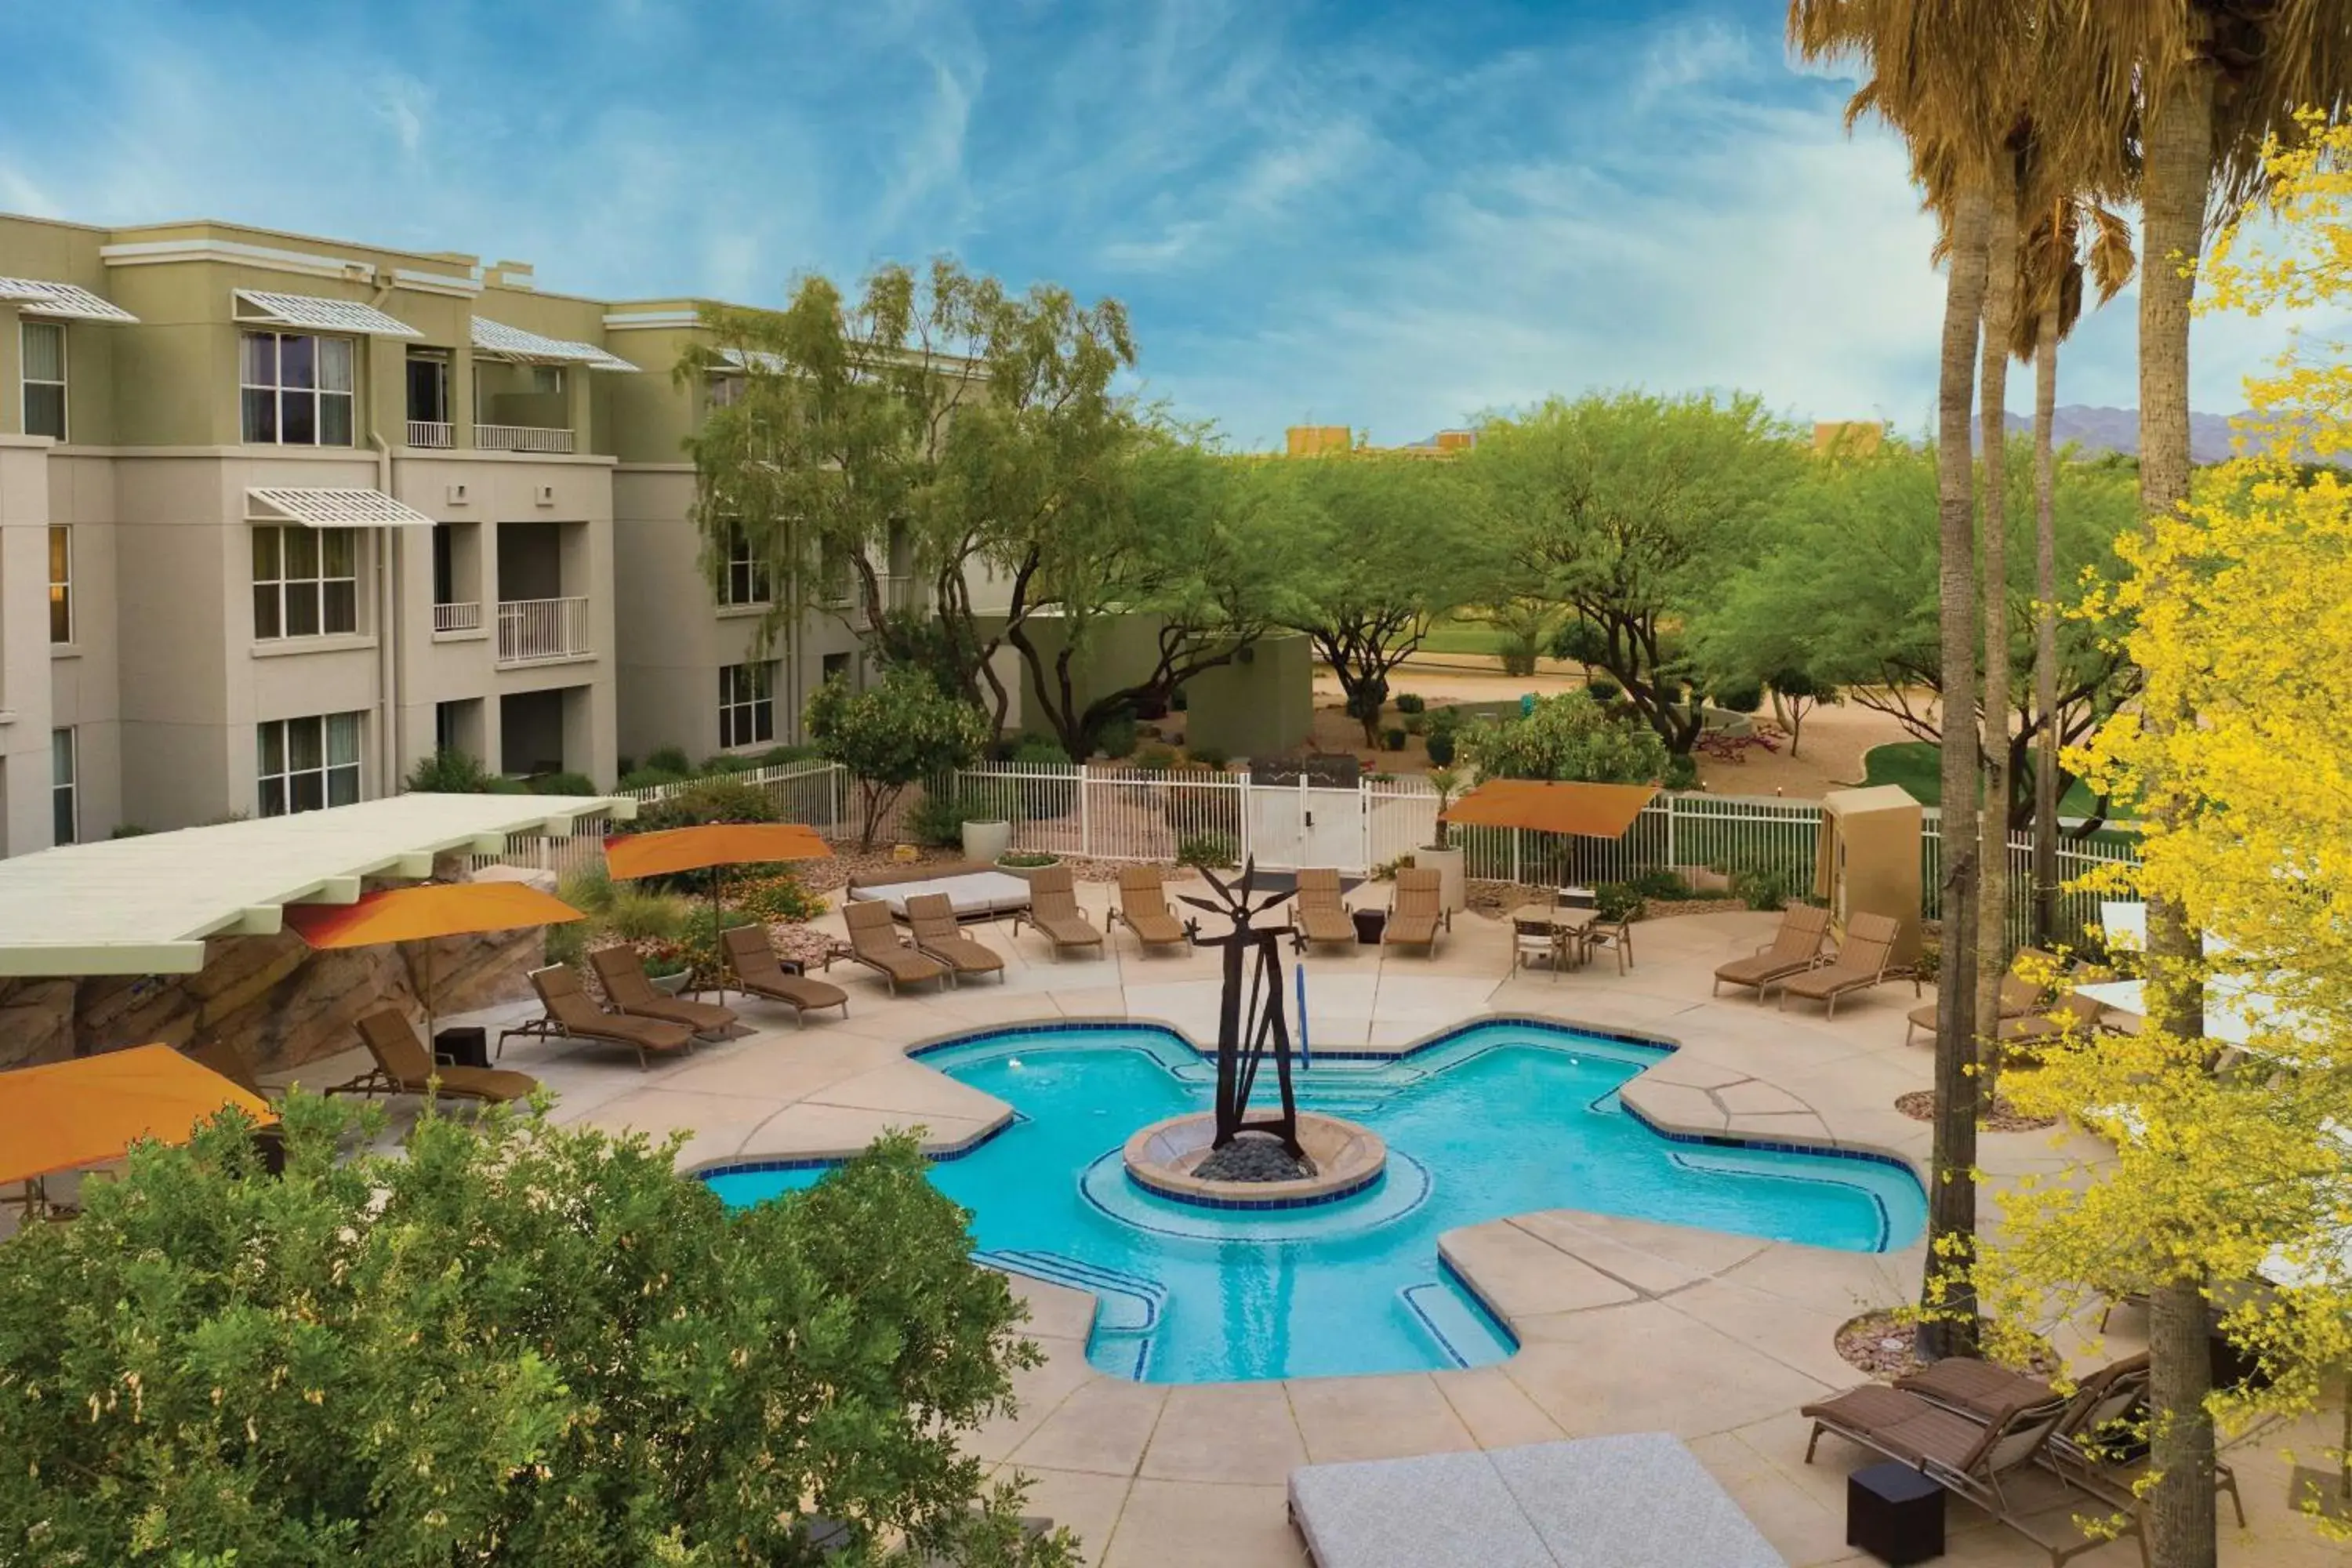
(144, 905)
(36, 296)
(313, 314)
(496, 339)
(755, 359)
(317, 507)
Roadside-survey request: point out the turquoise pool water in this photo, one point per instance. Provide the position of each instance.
(1503, 1117)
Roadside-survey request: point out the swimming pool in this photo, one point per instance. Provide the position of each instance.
(1503, 1117)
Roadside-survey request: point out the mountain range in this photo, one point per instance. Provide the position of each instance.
(2117, 430)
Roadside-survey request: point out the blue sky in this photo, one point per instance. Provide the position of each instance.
(1385, 215)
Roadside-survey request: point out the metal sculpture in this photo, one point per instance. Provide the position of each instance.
(1243, 1044)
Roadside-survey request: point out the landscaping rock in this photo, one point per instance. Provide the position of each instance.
(1253, 1157)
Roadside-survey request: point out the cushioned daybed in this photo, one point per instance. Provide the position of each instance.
(974, 891)
(1639, 1501)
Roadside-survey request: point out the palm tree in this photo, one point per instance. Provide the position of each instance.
(2073, 239)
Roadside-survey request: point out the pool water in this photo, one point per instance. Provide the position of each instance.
(1504, 1118)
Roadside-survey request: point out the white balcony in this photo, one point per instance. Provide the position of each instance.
(433, 433)
(457, 618)
(521, 438)
(542, 631)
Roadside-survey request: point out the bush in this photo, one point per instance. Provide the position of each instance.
(1157, 755)
(642, 914)
(1117, 739)
(727, 763)
(448, 773)
(1441, 748)
(1603, 689)
(1445, 720)
(1518, 654)
(1681, 771)
(893, 734)
(1364, 704)
(671, 760)
(1038, 751)
(1393, 740)
(1210, 851)
(1209, 756)
(1663, 886)
(647, 778)
(1410, 702)
(1741, 696)
(776, 898)
(1614, 902)
(937, 821)
(1416, 724)
(1773, 885)
(501, 784)
(563, 784)
(1027, 859)
(777, 756)
(1568, 737)
(706, 801)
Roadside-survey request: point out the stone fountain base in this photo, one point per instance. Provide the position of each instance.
(1343, 1159)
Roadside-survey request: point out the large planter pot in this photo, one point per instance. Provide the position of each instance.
(1447, 864)
(984, 841)
(672, 984)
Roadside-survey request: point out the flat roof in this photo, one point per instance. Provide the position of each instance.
(144, 905)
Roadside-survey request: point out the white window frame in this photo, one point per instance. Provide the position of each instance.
(61, 599)
(328, 775)
(744, 581)
(316, 393)
(65, 794)
(282, 593)
(24, 331)
(747, 705)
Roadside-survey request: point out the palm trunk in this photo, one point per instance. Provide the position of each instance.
(2045, 625)
(2176, 185)
(1948, 1293)
(1992, 554)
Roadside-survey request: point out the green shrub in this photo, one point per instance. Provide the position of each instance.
(563, 784)
(1441, 748)
(1445, 720)
(1209, 756)
(1367, 700)
(727, 763)
(776, 898)
(1211, 851)
(937, 821)
(1663, 886)
(1603, 689)
(1769, 887)
(1741, 696)
(1416, 724)
(647, 778)
(706, 801)
(448, 773)
(1038, 751)
(1027, 859)
(641, 914)
(1518, 652)
(1681, 771)
(1393, 740)
(671, 760)
(779, 756)
(1568, 737)
(1614, 902)
(1159, 756)
(1117, 739)
(501, 784)
(1410, 702)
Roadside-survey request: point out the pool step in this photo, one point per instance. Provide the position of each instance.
(1463, 1334)
(1129, 1304)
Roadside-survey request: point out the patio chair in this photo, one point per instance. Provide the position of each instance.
(1143, 909)
(1417, 911)
(403, 1065)
(932, 919)
(1054, 911)
(622, 972)
(1862, 961)
(2020, 997)
(1616, 935)
(1796, 946)
(573, 1014)
(1532, 940)
(874, 941)
(759, 973)
(2075, 1015)
(1318, 912)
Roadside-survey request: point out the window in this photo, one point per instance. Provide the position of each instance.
(65, 814)
(305, 581)
(547, 378)
(744, 580)
(747, 705)
(44, 343)
(724, 391)
(297, 389)
(836, 667)
(61, 624)
(428, 385)
(307, 764)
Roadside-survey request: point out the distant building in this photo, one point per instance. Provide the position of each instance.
(1315, 440)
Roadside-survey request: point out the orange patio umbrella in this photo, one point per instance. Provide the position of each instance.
(712, 847)
(69, 1116)
(422, 913)
(1589, 810)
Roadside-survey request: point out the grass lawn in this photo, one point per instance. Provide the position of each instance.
(1917, 767)
(1465, 636)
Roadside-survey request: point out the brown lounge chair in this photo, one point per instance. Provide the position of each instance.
(1054, 910)
(403, 1065)
(1795, 947)
(1319, 912)
(1143, 909)
(1862, 963)
(572, 1015)
(622, 974)
(2020, 997)
(1417, 911)
(759, 973)
(874, 942)
(932, 919)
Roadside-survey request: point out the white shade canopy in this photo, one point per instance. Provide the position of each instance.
(38, 296)
(315, 505)
(310, 312)
(496, 339)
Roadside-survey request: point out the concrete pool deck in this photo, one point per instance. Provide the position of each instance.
(1624, 1326)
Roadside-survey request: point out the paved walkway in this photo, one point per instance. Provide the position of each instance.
(1624, 1326)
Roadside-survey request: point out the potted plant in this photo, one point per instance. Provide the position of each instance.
(1441, 853)
(1021, 862)
(985, 838)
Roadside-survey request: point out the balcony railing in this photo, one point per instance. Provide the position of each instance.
(458, 617)
(898, 595)
(437, 432)
(521, 438)
(535, 631)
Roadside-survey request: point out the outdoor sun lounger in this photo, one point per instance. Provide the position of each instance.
(622, 974)
(403, 1065)
(874, 942)
(1796, 946)
(1319, 912)
(932, 918)
(759, 973)
(1861, 964)
(2020, 997)
(1417, 911)
(1054, 910)
(1143, 909)
(572, 1015)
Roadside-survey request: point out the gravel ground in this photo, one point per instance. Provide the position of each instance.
(1919, 1105)
(1881, 1344)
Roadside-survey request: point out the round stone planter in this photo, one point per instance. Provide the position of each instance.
(671, 984)
(1346, 1158)
(1447, 864)
(984, 841)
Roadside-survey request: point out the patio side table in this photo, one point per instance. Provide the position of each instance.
(1369, 924)
(466, 1046)
(1895, 1514)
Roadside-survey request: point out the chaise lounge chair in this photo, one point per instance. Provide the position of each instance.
(932, 919)
(622, 972)
(1862, 962)
(1054, 910)
(1417, 911)
(403, 1065)
(572, 1015)
(1319, 912)
(1795, 947)
(1143, 909)
(874, 942)
(759, 973)
(2020, 997)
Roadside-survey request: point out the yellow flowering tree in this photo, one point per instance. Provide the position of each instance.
(2232, 1169)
